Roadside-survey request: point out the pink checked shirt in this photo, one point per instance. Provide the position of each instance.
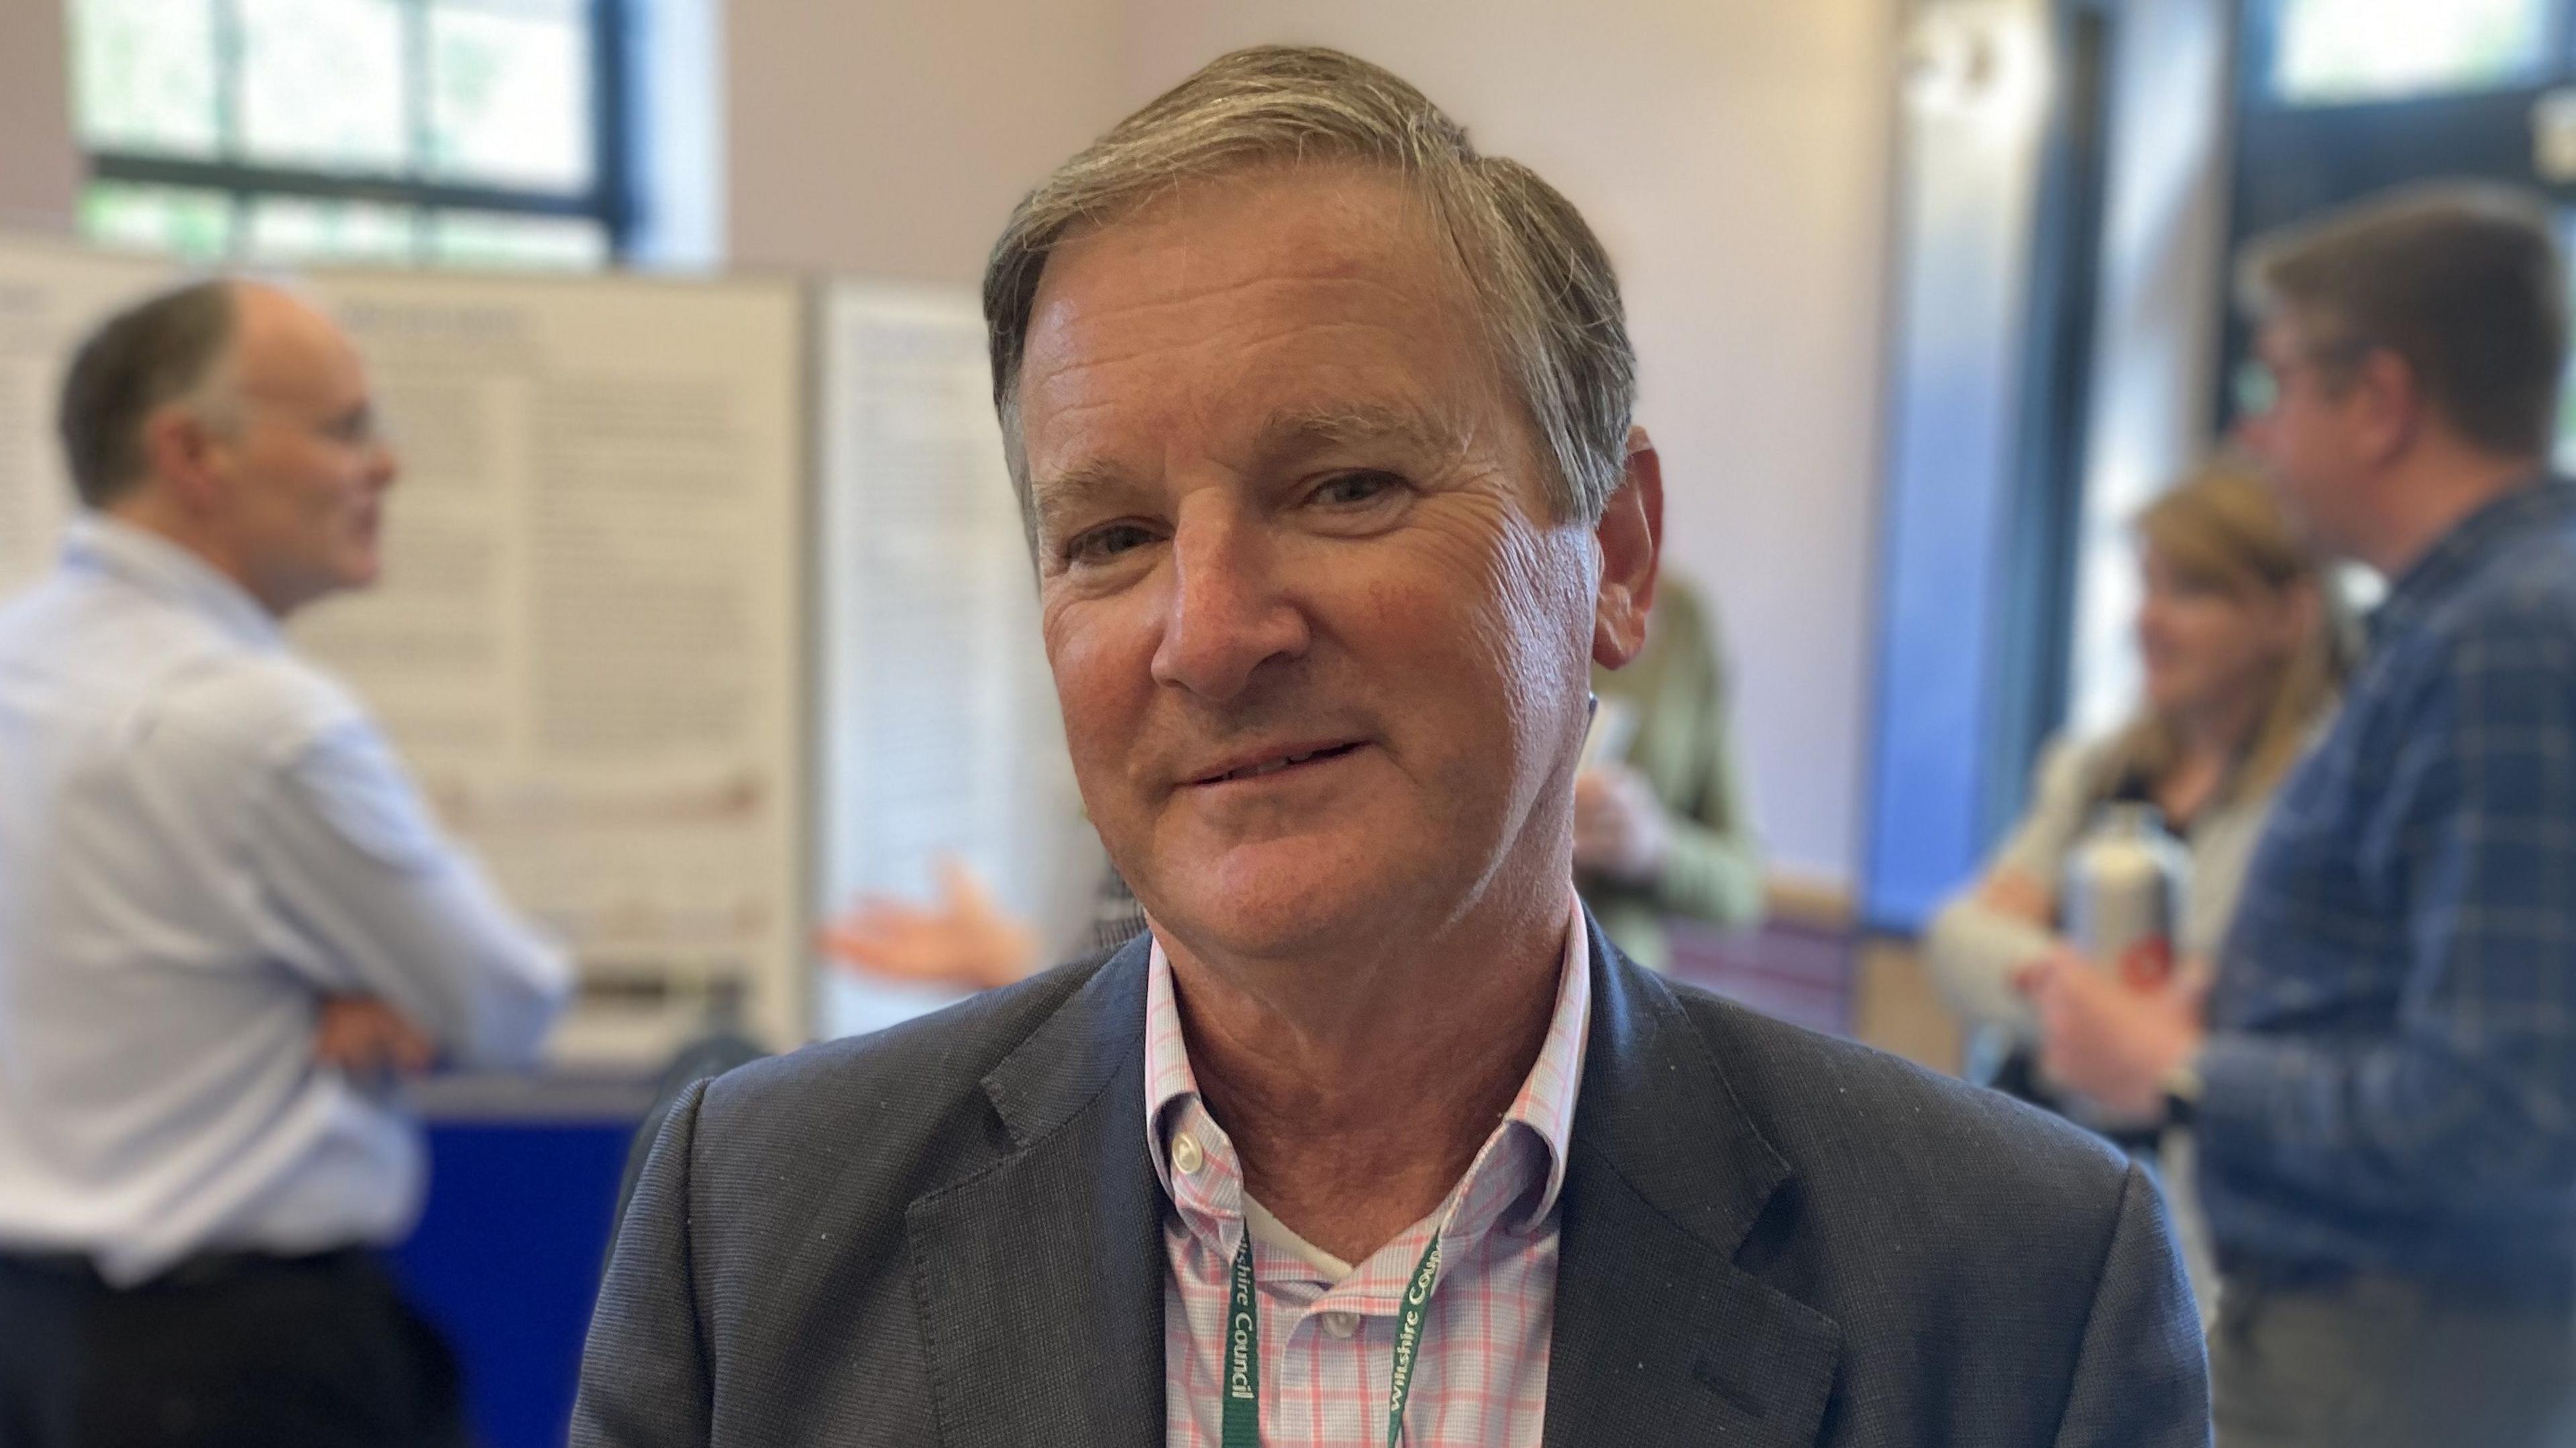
(1328, 1327)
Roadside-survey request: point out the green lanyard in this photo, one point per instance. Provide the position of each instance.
(1243, 1348)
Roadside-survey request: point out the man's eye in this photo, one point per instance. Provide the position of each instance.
(1349, 488)
(1101, 544)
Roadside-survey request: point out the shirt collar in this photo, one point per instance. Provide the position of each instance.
(150, 562)
(1543, 1109)
(2460, 551)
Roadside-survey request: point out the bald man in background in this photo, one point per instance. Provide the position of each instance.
(226, 922)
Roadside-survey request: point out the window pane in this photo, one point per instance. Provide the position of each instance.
(509, 95)
(2355, 50)
(483, 238)
(295, 229)
(192, 223)
(144, 74)
(322, 83)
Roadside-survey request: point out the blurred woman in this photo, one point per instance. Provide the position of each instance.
(2242, 647)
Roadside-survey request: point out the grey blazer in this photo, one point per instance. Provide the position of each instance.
(950, 1233)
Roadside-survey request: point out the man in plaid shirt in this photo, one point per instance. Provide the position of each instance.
(2384, 1092)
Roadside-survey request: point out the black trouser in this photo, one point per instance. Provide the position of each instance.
(228, 1350)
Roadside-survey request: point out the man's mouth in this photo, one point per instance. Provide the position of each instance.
(1276, 763)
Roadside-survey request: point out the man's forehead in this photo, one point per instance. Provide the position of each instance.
(2277, 339)
(285, 344)
(1346, 201)
(1265, 279)
(1227, 244)
(2291, 329)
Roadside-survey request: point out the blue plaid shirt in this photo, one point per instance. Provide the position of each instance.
(2390, 1079)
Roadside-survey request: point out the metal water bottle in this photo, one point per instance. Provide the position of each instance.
(2124, 894)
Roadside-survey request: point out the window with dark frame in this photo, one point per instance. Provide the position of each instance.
(2343, 52)
(387, 132)
(2341, 99)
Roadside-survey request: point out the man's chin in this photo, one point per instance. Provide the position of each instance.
(1250, 932)
(1275, 901)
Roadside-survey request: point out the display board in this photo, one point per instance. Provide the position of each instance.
(50, 295)
(589, 643)
(590, 639)
(943, 735)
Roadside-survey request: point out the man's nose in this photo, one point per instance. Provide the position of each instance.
(1229, 612)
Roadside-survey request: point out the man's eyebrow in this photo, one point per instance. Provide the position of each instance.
(1061, 498)
(1306, 430)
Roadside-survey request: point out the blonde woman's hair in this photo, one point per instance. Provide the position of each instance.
(2221, 527)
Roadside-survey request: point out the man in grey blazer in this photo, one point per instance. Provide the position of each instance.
(1321, 424)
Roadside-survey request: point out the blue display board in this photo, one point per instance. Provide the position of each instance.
(506, 1262)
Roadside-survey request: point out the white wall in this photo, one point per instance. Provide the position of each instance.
(1734, 155)
(892, 139)
(39, 169)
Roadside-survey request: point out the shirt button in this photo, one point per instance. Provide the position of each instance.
(1341, 1324)
(1186, 1154)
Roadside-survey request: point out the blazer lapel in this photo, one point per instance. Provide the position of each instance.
(1660, 1336)
(1040, 1280)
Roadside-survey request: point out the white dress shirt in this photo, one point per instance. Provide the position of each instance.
(201, 838)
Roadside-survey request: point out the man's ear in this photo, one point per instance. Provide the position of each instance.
(181, 450)
(2385, 405)
(1631, 538)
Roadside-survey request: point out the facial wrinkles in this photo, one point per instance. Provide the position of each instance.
(1439, 447)
(1146, 384)
(1195, 282)
(1524, 613)
(1093, 411)
(1139, 331)
(1541, 577)
(1286, 696)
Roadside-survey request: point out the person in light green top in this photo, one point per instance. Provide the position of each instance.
(1661, 826)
